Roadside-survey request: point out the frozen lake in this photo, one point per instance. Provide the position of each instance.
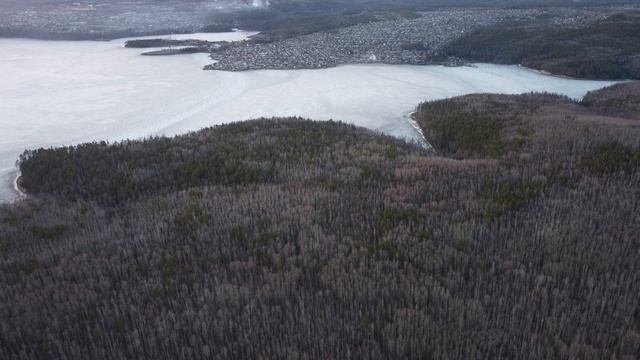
(59, 93)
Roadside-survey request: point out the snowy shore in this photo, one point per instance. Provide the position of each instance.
(16, 187)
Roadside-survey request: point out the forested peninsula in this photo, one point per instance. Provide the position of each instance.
(516, 236)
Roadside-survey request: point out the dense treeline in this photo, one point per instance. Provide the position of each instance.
(261, 151)
(606, 49)
(335, 242)
(622, 100)
(157, 43)
(7, 31)
(290, 20)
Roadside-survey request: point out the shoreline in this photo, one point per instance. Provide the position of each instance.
(546, 73)
(412, 120)
(566, 77)
(17, 189)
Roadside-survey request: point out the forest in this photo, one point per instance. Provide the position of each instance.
(288, 21)
(607, 49)
(516, 236)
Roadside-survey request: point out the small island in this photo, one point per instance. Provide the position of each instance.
(175, 47)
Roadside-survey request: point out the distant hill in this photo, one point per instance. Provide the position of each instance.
(607, 49)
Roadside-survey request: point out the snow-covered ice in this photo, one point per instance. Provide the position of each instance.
(238, 35)
(59, 93)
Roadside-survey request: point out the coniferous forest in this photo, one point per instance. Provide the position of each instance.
(602, 49)
(516, 236)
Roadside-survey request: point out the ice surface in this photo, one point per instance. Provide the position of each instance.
(58, 93)
(230, 36)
